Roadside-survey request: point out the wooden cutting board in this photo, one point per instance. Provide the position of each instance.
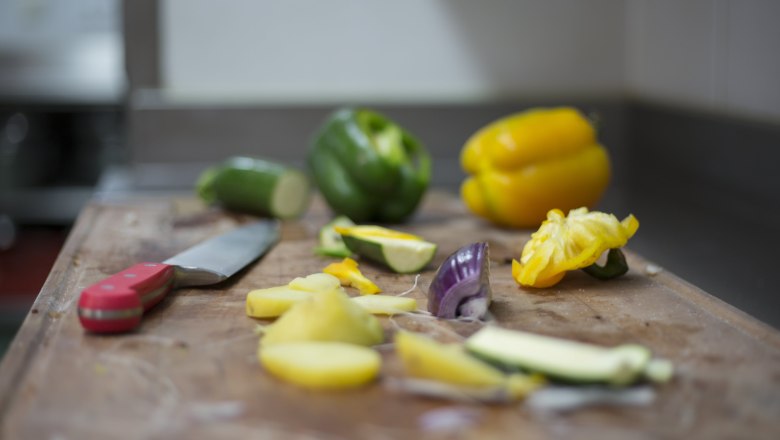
(191, 370)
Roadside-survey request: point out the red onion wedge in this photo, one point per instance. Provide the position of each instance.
(461, 286)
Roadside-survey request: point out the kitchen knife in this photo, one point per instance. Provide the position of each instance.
(117, 303)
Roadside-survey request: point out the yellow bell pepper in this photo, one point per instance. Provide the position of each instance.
(565, 243)
(525, 164)
(348, 273)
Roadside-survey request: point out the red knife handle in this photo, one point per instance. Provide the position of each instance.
(117, 303)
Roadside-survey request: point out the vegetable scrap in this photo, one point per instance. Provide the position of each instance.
(326, 316)
(461, 286)
(652, 269)
(424, 358)
(349, 275)
(570, 361)
(386, 304)
(566, 399)
(450, 419)
(274, 301)
(322, 342)
(435, 389)
(564, 243)
(330, 242)
(399, 251)
(615, 266)
(321, 365)
(316, 282)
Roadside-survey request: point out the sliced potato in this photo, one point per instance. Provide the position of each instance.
(326, 316)
(273, 301)
(386, 304)
(316, 282)
(321, 365)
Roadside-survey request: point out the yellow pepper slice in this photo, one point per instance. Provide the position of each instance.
(348, 273)
(571, 242)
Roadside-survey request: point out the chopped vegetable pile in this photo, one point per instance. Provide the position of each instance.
(330, 329)
(323, 337)
(323, 340)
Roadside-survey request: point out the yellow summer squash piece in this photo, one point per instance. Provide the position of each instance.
(425, 358)
(321, 365)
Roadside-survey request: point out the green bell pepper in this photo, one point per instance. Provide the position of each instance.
(369, 168)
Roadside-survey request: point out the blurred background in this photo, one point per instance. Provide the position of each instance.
(105, 97)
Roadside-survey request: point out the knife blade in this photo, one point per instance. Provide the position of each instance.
(117, 303)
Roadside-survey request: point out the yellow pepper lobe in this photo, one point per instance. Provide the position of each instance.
(564, 243)
(523, 165)
(472, 195)
(349, 275)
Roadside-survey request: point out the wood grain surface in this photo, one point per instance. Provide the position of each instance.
(191, 370)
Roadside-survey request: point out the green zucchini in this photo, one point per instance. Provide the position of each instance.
(559, 358)
(401, 255)
(330, 242)
(256, 186)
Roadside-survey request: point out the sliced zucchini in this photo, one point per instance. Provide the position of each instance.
(330, 242)
(399, 251)
(559, 358)
(423, 357)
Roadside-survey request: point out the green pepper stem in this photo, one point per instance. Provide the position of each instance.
(389, 143)
(615, 266)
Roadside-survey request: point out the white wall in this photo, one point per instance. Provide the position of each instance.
(61, 52)
(401, 50)
(720, 55)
